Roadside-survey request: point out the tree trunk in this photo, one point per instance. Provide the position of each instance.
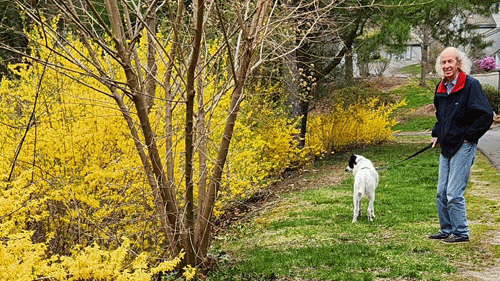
(189, 139)
(152, 68)
(138, 98)
(304, 113)
(202, 149)
(169, 96)
(424, 63)
(349, 67)
(425, 35)
(309, 92)
(205, 221)
(158, 198)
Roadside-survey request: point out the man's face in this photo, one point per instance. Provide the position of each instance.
(450, 64)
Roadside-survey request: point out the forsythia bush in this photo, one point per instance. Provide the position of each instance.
(22, 260)
(363, 122)
(262, 144)
(77, 184)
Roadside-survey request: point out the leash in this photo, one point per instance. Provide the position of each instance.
(407, 158)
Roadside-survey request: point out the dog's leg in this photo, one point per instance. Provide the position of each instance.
(371, 210)
(357, 207)
(356, 212)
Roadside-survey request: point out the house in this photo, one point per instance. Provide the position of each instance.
(488, 27)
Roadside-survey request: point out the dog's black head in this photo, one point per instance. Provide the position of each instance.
(352, 162)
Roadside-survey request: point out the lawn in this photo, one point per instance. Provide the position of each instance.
(307, 234)
(416, 97)
(413, 69)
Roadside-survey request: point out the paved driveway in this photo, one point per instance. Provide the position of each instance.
(490, 79)
(489, 145)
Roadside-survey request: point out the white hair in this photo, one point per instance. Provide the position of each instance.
(465, 62)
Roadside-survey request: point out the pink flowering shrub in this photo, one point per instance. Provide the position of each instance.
(485, 65)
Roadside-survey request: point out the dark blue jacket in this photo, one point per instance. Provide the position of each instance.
(463, 115)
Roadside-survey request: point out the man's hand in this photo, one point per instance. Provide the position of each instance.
(434, 142)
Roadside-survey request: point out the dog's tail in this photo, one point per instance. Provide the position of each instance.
(359, 194)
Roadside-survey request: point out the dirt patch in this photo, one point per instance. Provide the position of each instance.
(364, 88)
(485, 274)
(312, 179)
(495, 239)
(388, 84)
(487, 191)
(426, 110)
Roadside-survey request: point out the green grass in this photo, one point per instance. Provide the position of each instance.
(413, 69)
(415, 97)
(416, 123)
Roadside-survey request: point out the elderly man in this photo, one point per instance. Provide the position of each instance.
(463, 116)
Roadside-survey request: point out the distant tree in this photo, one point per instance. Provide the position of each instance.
(325, 33)
(11, 34)
(446, 22)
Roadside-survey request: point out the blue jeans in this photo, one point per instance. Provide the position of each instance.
(453, 176)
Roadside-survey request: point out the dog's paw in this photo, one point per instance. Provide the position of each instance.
(354, 220)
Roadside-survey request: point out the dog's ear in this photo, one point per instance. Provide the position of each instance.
(352, 161)
(353, 158)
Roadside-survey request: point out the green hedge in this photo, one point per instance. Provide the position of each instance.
(493, 97)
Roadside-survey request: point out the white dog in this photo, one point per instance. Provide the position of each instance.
(365, 183)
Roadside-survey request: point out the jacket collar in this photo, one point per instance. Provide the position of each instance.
(459, 86)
